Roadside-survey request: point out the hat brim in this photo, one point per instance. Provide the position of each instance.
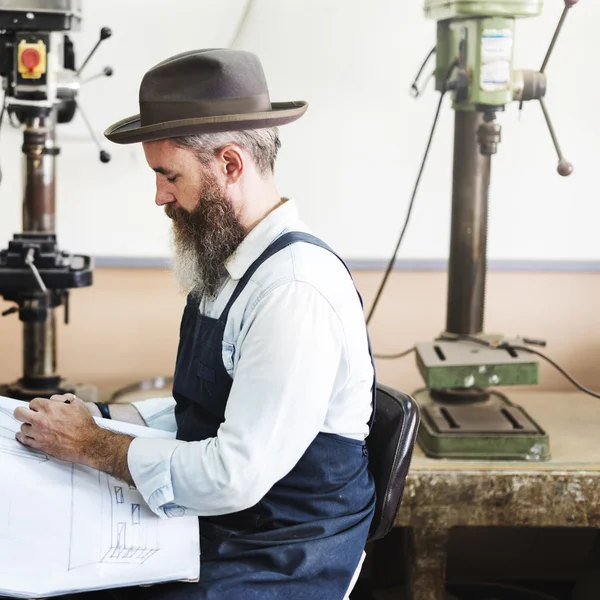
(130, 130)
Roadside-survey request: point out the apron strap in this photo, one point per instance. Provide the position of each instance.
(285, 240)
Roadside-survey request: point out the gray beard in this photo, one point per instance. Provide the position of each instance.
(203, 241)
(185, 268)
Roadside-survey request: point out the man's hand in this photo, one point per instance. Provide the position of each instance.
(63, 427)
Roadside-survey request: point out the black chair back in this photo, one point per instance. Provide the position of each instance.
(390, 446)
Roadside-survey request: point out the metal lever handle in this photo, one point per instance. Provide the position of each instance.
(29, 261)
(10, 311)
(105, 33)
(106, 72)
(104, 155)
(568, 4)
(564, 168)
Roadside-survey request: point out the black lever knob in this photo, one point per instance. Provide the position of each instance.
(106, 72)
(104, 156)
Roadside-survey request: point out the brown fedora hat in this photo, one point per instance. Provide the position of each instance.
(204, 91)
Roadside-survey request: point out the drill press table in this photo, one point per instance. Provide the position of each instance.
(563, 492)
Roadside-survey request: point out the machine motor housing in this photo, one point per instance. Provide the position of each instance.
(455, 9)
(40, 15)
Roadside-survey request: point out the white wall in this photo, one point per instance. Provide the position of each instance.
(352, 160)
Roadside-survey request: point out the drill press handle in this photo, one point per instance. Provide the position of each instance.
(565, 168)
(70, 83)
(105, 33)
(568, 5)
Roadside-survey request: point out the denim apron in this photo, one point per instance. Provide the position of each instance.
(305, 538)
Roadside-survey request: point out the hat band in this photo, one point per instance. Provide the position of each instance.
(154, 112)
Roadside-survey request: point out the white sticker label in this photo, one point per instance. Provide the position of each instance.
(496, 54)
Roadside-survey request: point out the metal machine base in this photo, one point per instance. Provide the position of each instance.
(19, 391)
(454, 364)
(492, 430)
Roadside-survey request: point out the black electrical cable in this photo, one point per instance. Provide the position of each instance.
(557, 367)
(412, 200)
(408, 213)
(414, 87)
(509, 346)
(394, 356)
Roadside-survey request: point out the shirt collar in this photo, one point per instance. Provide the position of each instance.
(259, 239)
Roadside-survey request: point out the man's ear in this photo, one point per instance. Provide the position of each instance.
(231, 163)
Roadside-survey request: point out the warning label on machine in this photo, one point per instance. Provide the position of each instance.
(496, 54)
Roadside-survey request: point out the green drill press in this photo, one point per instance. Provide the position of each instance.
(462, 416)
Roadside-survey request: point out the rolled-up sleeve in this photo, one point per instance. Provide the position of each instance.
(158, 413)
(149, 462)
(288, 364)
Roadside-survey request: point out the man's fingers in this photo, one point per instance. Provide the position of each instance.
(26, 430)
(25, 415)
(27, 440)
(38, 403)
(67, 398)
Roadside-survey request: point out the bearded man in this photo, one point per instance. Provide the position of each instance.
(274, 384)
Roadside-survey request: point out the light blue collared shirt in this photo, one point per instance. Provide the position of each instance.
(295, 345)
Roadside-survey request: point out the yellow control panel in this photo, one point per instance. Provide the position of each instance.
(31, 59)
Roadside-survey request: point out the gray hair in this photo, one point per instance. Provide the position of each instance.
(262, 144)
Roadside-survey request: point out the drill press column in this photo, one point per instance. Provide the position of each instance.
(468, 237)
(39, 352)
(39, 336)
(39, 172)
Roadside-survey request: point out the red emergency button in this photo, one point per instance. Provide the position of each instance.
(30, 58)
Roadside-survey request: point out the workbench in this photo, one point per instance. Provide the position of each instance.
(564, 492)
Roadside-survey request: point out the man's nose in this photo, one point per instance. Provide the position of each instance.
(163, 196)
